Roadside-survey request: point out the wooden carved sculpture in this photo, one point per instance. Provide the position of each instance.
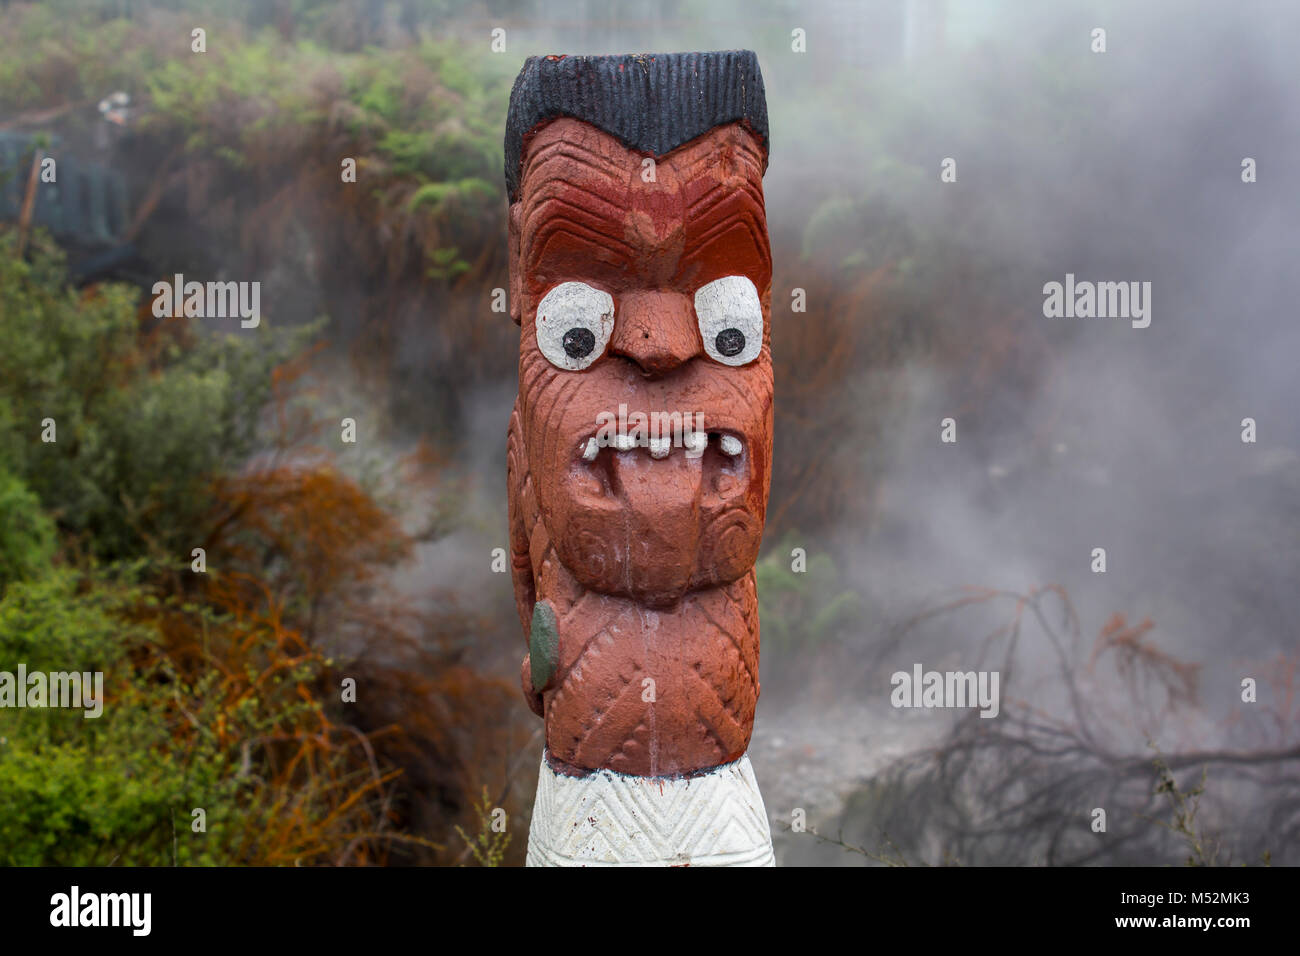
(639, 449)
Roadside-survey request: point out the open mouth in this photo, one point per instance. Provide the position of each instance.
(663, 472)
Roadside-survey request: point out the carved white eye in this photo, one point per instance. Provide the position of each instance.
(573, 325)
(731, 320)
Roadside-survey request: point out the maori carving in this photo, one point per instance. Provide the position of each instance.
(639, 448)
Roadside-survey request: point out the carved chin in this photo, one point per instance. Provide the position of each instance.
(654, 526)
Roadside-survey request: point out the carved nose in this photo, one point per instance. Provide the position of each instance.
(656, 330)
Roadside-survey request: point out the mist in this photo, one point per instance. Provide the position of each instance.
(1097, 434)
(948, 457)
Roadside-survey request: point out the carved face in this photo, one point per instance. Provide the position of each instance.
(646, 287)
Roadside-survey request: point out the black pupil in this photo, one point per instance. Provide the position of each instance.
(579, 342)
(730, 342)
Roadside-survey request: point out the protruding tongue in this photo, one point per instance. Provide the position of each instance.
(660, 516)
(664, 489)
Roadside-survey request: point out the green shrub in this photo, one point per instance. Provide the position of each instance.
(802, 610)
(26, 532)
(137, 436)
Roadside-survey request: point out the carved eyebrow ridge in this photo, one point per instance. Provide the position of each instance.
(566, 226)
(746, 221)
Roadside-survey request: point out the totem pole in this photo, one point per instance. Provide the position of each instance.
(639, 449)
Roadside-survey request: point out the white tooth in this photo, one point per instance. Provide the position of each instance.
(624, 442)
(730, 445)
(589, 453)
(695, 442)
(659, 447)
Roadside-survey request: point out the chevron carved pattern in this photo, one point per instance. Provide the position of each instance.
(611, 819)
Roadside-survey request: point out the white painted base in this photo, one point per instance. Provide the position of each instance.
(611, 819)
